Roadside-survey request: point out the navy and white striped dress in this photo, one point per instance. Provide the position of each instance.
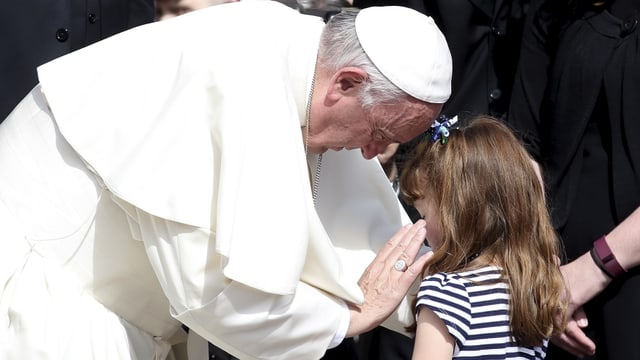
(476, 315)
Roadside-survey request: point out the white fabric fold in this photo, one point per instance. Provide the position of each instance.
(192, 127)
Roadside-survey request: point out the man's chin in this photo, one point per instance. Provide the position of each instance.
(317, 151)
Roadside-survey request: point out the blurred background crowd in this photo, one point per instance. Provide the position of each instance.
(562, 73)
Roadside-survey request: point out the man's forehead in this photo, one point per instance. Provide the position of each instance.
(411, 120)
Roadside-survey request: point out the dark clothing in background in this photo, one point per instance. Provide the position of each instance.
(37, 31)
(576, 102)
(484, 39)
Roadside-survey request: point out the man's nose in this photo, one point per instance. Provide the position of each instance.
(371, 150)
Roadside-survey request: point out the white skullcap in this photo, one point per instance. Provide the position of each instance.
(409, 49)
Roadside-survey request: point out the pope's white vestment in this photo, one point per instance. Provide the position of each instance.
(170, 185)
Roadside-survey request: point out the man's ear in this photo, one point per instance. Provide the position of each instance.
(346, 81)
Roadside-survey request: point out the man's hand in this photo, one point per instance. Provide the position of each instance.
(386, 281)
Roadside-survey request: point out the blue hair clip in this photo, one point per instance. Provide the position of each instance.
(441, 127)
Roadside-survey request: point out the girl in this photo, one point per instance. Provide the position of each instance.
(493, 288)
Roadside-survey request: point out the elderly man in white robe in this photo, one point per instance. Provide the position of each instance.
(188, 181)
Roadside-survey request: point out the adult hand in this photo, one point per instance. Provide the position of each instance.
(584, 280)
(573, 339)
(382, 284)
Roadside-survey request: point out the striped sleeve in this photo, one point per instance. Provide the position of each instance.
(449, 299)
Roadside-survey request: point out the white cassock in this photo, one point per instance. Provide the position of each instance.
(170, 185)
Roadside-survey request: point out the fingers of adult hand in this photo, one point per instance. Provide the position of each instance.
(565, 343)
(409, 243)
(396, 239)
(581, 317)
(574, 340)
(581, 342)
(415, 269)
(577, 335)
(388, 272)
(413, 241)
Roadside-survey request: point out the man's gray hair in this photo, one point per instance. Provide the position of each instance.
(339, 47)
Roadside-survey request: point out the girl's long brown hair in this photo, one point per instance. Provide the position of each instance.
(492, 202)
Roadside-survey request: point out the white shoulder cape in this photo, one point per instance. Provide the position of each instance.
(197, 120)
